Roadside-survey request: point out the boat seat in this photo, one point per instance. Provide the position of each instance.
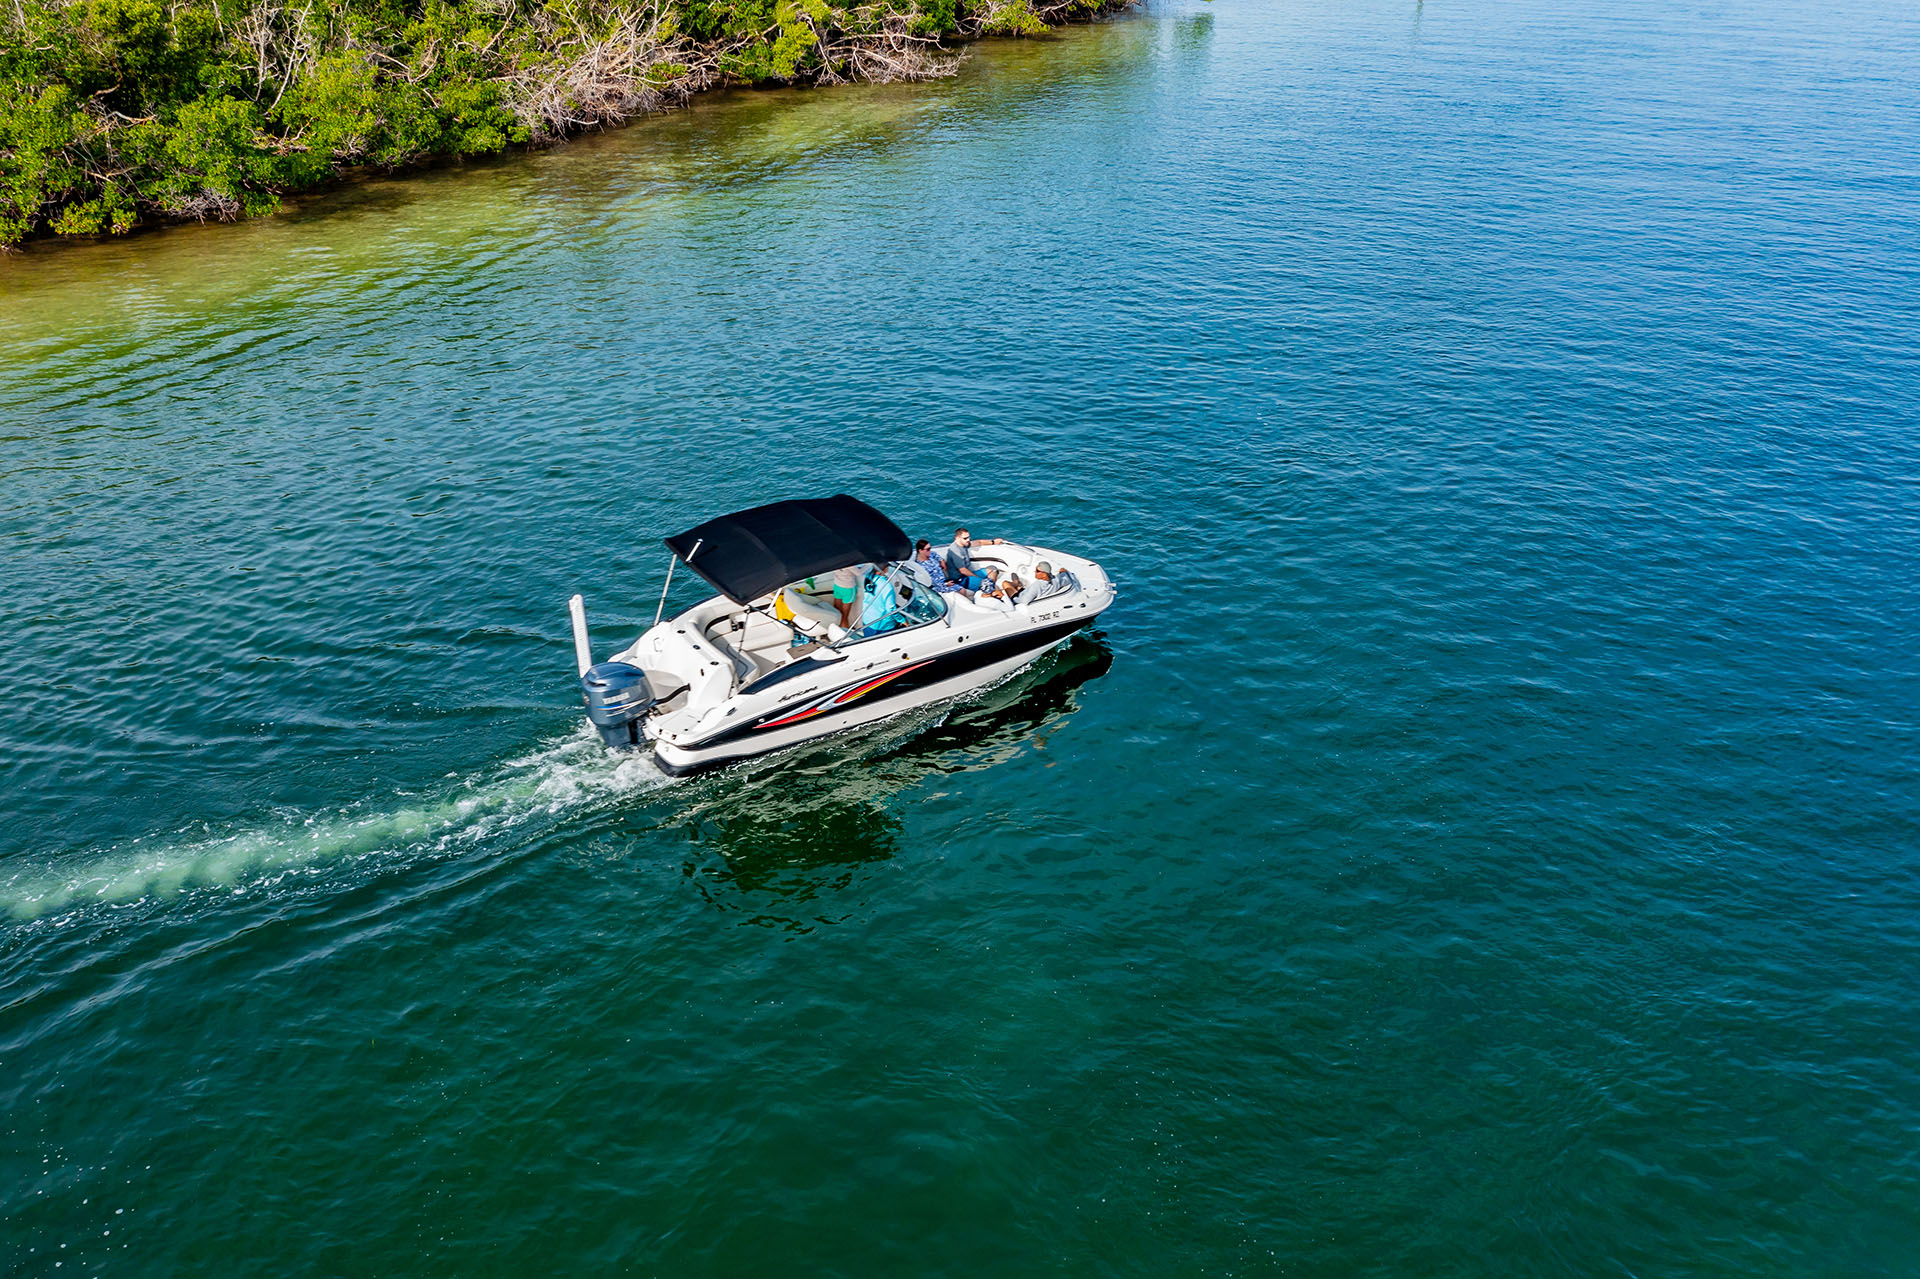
(731, 640)
(979, 604)
(805, 611)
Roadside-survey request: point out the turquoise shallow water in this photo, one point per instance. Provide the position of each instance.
(1482, 839)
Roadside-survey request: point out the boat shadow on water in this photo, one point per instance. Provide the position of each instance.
(786, 831)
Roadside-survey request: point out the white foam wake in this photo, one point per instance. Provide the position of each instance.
(570, 773)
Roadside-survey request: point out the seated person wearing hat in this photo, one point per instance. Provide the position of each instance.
(1047, 581)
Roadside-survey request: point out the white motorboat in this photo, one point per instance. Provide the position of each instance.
(772, 661)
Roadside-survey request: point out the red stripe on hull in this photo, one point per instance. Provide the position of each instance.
(841, 699)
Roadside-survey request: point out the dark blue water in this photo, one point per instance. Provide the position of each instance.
(1483, 838)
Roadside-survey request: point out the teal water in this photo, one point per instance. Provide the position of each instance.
(1481, 840)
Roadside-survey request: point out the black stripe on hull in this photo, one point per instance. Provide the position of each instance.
(935, 671)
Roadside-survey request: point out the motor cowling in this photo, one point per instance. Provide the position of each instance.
(618, 698)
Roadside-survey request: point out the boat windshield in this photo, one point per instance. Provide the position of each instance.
(893, 600)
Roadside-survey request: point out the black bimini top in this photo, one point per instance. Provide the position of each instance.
(752, 553)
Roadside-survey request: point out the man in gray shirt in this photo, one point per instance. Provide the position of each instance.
(959, 558)
(1046, 582)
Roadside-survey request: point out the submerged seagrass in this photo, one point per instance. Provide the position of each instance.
(115, 112)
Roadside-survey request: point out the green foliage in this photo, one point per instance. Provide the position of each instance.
(134, 37)
(37, 131)
(936, 17)
(1012, 18)
(215, 160)
(339, 110)
(798, 44)
(116, 112)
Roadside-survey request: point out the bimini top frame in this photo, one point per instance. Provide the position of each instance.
(755, 552)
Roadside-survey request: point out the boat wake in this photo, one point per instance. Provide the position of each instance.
(564, 775)
(563, 779)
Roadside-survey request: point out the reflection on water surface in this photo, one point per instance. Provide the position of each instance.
(792, 829)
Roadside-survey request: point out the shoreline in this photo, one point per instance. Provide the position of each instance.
(246, 172)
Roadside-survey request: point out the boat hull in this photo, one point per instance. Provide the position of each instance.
(867, 700)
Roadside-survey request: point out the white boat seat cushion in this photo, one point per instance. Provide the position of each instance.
(809, 614)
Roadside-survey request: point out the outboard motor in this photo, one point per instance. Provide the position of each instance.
(618, 698)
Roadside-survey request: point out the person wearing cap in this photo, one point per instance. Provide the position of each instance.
(1041, 585)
